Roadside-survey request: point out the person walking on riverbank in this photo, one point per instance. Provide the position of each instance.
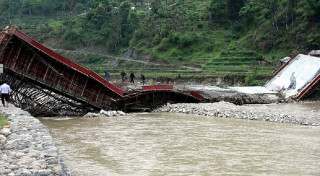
(5, 90)
(123, 75)
(131, 77)
(143, 78)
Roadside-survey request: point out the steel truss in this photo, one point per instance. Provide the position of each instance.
(40, 101)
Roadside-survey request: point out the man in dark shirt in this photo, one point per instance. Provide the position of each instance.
(143, 79)
(132, 77)
(123, 75)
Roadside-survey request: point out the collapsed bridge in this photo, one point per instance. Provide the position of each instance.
(46, 83)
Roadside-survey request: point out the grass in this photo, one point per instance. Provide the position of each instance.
(3, 121)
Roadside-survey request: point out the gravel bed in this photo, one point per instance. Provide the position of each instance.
(229, 110)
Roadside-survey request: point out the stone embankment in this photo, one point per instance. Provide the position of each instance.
(27, 147)
(229, 110)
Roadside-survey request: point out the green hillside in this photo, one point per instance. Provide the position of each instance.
(175, 37)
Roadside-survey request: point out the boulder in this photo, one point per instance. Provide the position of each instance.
(121, 113)
(2, 139)
(6, 130)
(90, 115)
(104, 113)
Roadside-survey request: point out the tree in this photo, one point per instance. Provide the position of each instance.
(217, 10)
(9, 6)
(233, 8)
(28, 5)
(155, 6)
(47, 7)
(315, 7)
(79, 7)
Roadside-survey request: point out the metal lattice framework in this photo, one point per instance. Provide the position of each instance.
(41, 101)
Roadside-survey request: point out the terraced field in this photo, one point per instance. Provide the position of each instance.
(239, 62)
(228, 63)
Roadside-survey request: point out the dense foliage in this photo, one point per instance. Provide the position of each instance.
(118, 24)
(174, 30)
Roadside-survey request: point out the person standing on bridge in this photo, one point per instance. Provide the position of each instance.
(123, 75)
(5, 90)
(143, 78)
(292, 82)
(107, 75)
(132, 77)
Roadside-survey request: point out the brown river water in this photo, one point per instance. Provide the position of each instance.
(180, 144)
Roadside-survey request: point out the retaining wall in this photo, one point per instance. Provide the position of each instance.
(27, 147)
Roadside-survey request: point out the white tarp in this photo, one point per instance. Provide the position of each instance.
(305, 69)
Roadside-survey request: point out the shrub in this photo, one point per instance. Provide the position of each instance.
(185, 40)
(174, 37)
(79, 7)
(314, 40)
(238, 27)
(209, 47)
(254, 78)
(70, 35)
(164, 45)
(138, 34)
(156, 39)
(94, 58)
(56, 28)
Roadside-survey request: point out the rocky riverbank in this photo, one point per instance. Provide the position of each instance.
(27, 147)
(229, 110)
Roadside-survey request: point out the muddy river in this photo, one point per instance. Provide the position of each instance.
(178, 144)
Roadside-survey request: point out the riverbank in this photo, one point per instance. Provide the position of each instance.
(27, 147)
(229, 110)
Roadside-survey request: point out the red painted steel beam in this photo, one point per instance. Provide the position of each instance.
(106, 83)
(51, 53)
(301, 94)
(284, 65)
(68, 62)
(157, 87)
(196, 95)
